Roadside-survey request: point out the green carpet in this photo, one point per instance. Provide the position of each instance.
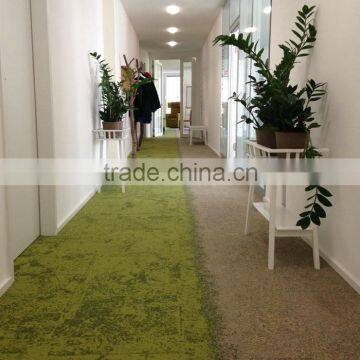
(121, 281)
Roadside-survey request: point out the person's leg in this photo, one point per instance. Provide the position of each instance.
(142, 134)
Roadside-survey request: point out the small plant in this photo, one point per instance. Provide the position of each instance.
(113, 105)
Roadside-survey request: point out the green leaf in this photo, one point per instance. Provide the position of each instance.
(301, 20)
(300, 27)
(324, 201)
(324, 191)
(310, 188)
(295, 44)
(313, 126)
(315, 219)
(304, 223)
(297, 34)
(312, 30)
(260, 53)
(305, 214)
(312, 8)
(320, 212)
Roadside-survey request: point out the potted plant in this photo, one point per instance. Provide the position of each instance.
(280, 110)
(113, 103)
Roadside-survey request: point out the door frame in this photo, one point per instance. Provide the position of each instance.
(160, 93)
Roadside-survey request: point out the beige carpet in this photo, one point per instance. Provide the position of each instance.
(293, 312)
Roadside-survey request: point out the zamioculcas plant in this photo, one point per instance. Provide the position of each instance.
(277, 106)
(113, 105)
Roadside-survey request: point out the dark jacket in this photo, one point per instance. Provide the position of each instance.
(147, 100)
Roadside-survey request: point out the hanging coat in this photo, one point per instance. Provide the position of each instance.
(146, 102)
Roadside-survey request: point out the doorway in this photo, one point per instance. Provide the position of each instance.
(170, 93)
(177, 95)
(158, 124)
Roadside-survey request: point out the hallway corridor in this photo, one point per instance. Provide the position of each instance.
(119, 282)
(207, 120)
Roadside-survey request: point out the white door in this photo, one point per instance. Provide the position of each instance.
(255, 15)
(17, 79)
(233, 106)
(187, 96)
(158, 127)
(225, 87)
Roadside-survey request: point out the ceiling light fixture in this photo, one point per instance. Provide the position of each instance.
(172, 9)
(267, 10)
(250, 30)
(172, 43)
(172, 30)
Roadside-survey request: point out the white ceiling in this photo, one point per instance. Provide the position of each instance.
(151, 21)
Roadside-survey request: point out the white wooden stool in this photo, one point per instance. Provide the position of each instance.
(200, 128)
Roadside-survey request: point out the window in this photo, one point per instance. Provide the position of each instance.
(246, 16)
(172, 90)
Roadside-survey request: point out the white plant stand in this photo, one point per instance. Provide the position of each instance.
(282, 221)
(199, 128)
(105, 137)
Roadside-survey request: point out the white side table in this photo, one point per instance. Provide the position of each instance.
(107, 136)
(200, 128)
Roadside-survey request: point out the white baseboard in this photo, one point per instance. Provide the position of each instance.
(81, 204)
(338, 268)
(5, 285)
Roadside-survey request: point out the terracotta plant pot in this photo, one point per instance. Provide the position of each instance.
(266, 138)
(118, 125)
(292, 140)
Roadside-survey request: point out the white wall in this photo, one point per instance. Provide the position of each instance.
(129, 41)
(20, 139)
(211, 86)
(111, 29)
(64, 32)
(335, 60)
(6, 265)
(145, 58)
(171, 66)
(75, 30)
(120, 39)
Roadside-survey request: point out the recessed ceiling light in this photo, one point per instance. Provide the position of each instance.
(173, 9)
(267, 10)
(172, 30)
(172, 43)
(250, 30)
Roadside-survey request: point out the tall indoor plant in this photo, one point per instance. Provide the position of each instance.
(278, 107)
(113, 103)
(280, 112)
